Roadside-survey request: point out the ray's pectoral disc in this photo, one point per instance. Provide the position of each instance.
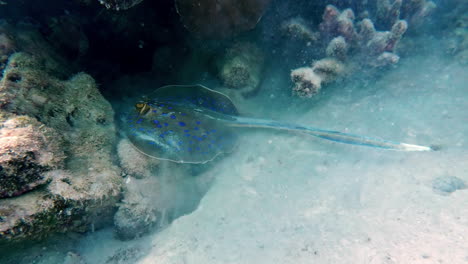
(182, 124)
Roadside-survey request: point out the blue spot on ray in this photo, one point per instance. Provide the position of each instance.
(181, 124)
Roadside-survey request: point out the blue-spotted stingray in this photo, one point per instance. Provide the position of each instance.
(194, 124)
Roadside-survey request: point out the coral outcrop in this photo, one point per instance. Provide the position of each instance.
(297, 28)
(309, 80)
(56, 132)
(241, 68)
(349, 45)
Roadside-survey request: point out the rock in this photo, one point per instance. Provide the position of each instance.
(134, 220)
(135, 163)
(241, 68)
(139, 211)
(125, 255)
(52, 115)
(28, 149)
(154, 202)
(448, 184)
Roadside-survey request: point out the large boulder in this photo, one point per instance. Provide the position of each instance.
(57, 134)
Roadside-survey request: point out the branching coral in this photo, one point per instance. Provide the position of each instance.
(344, 38)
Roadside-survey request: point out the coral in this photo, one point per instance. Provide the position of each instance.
(133, 162)
(367, 41)
(297, 28)
(337, 48)
(362, 43)
(375, 43)
(388, 12)
(417, 12)
(308, 80)
(231, 16)
(28, 149)
(336, 23)
(45, 115)
(367, 46)
(119, 4)
(242, 67)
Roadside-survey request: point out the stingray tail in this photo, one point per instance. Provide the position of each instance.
(329, 135)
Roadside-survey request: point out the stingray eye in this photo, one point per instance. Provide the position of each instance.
(142, 108)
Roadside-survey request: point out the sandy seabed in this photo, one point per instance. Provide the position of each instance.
(288, 198)
(292, 198)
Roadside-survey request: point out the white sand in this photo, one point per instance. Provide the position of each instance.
(284, 198)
